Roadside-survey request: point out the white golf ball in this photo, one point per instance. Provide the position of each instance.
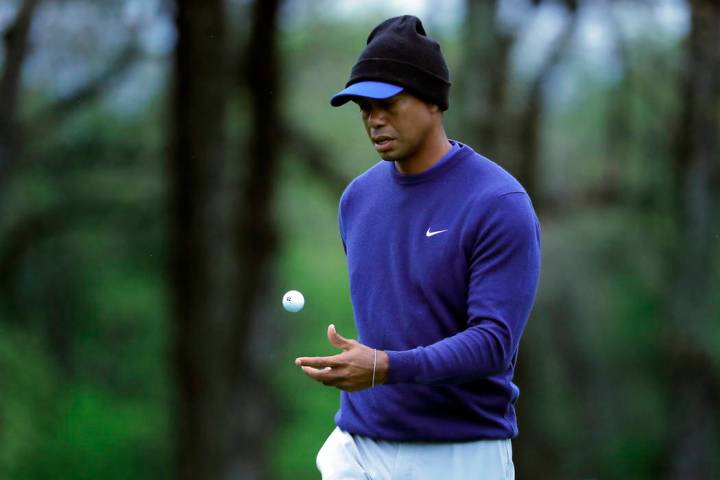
(293, 301)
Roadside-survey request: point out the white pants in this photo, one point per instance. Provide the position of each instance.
(346, 456)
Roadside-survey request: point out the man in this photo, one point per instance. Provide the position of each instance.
(443, 252)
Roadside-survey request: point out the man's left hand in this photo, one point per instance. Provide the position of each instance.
(350, 370)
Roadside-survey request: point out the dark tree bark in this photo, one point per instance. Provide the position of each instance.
(483, 85)
(200, 243)
(693, 440)
(19, 240)
(28, 230)
(531, 117)
(256, 245)
(257, 234)
(221, 257)
(16, 47)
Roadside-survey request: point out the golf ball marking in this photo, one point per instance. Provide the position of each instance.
(293, 301)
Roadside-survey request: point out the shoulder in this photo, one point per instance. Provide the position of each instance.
(509, 220)
(488, 179)
(495, 196)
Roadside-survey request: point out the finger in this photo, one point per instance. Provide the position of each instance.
(317, 362)
(321, 375)
(316, 370)
(336, 339)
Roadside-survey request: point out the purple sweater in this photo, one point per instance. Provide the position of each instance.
(444, 267)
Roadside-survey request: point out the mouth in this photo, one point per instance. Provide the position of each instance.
(382, 143)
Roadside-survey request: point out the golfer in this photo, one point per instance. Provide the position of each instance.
(443, 254)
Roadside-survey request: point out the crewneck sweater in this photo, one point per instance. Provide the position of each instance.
(443, 268)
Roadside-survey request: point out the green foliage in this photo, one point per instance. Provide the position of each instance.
(95, 434)
(28, 389)
(312, 262)
(84, 368)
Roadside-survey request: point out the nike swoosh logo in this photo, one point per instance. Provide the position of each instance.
(430, 234)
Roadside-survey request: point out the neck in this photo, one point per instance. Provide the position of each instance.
(430, 152)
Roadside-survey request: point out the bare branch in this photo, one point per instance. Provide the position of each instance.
(315, 158)
(58, 111)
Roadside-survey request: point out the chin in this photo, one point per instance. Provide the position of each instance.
(392, 156)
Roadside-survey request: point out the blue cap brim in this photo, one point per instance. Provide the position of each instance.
(376, 90)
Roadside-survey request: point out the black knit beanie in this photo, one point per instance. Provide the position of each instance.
(400, 53)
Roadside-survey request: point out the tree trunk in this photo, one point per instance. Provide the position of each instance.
(486, 54)
(257, 242)
(694, 441)
(16, 47)
(531, 118)
(200, 242)
(221, 257)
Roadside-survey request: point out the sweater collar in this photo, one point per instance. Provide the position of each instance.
(446, 162)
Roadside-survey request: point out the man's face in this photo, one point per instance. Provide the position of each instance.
(397, 126)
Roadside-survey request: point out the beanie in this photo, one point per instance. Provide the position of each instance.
(400, 53)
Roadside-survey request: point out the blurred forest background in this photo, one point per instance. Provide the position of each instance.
(169, 169)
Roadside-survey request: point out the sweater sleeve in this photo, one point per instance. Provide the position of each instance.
(503, 278)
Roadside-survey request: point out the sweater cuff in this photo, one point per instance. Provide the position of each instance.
(401, 366)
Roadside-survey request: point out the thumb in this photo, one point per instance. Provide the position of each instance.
(336, 339)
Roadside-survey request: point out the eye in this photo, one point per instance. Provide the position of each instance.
(389, 104)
